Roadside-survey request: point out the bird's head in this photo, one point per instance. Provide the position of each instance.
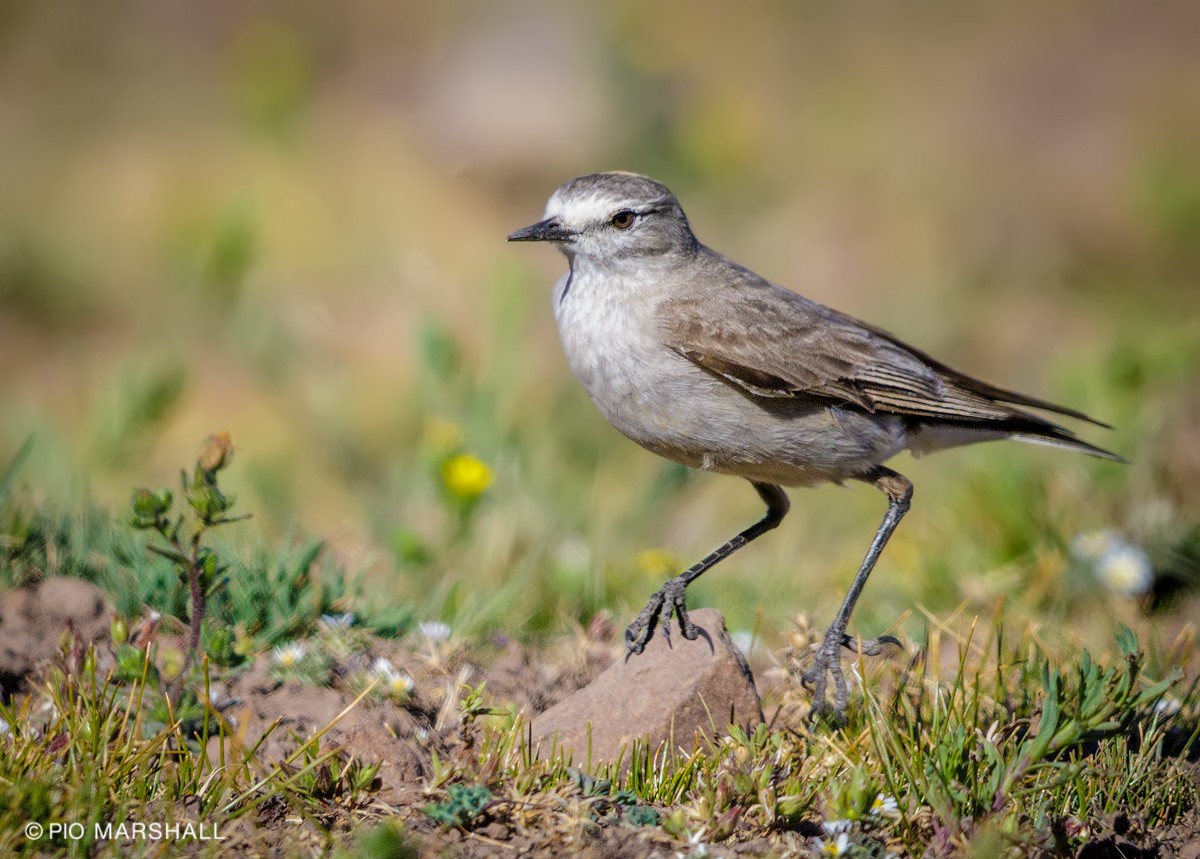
(609, 218)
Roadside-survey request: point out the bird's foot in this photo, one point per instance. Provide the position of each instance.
(669, 600)
(827, 664)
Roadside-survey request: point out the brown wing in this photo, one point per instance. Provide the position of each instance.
(774, 342)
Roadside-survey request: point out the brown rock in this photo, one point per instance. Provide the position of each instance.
(32, 620)
(669, 693)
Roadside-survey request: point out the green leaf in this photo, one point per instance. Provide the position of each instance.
(466, 803)
(641, 815)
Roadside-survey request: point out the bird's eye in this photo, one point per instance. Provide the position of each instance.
(623, 219)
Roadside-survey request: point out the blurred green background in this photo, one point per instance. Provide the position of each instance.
(286, 220)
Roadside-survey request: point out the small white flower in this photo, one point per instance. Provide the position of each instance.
(401, 685)
(1092, 545)
(345, 620)
(1125, 568)
(834, 827)
(289, 655)
(884, 804)
(837, 847)
(394, 682)
(435, 630)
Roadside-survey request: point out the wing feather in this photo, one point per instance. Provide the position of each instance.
(776, 343)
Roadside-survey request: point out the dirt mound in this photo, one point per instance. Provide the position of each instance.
(34, 618)
(400, 735)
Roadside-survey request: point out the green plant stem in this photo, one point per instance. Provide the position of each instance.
(199, 607)
(198, 598)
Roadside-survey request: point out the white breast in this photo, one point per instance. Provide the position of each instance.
(609, 345)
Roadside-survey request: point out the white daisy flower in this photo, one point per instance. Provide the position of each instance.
(345, 620)
(837, 847)
(1125, 569)
(401, 685)
(394, 682)
(289, 655)
(834, 827)
(884, 804)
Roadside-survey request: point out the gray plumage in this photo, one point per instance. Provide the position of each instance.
(700, 360)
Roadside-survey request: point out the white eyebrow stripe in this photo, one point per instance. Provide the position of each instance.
(579, 211)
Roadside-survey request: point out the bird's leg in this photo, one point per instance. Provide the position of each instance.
(827, 662)
(670, 599)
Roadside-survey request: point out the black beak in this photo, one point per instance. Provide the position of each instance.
(548, 230)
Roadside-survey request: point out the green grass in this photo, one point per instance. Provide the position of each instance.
(1012, 746)
(114, 751)
(1009, 748)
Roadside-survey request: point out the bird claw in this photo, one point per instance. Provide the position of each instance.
(827, 664)
(668, 600)
(871, 646)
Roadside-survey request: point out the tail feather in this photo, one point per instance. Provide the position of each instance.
(1021, 425)
(1065, 441)
(985, 389)
(927, 436)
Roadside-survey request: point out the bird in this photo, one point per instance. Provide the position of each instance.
(701, 361)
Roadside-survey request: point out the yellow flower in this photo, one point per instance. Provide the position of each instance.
(657, 563)
(466, 476)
